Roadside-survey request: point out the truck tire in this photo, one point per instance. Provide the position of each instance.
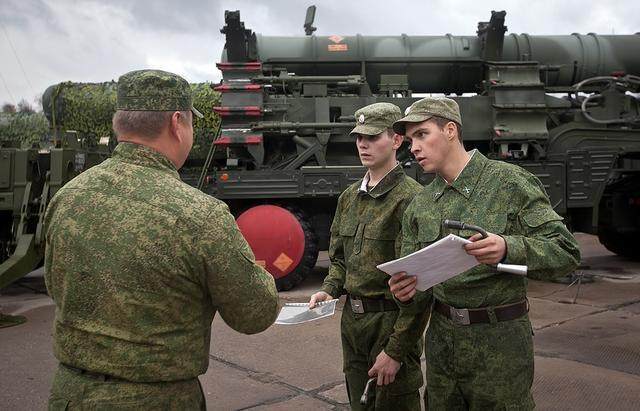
(619, 216)
(282, 241)
(621, 244)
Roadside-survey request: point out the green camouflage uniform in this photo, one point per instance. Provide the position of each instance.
(138, 263)
(485, 365)
(366, 232)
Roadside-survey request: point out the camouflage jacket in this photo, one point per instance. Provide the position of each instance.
(138, 263)
(503, 199)
(366, 232)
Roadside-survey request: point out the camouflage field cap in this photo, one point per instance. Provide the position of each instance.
(375, 118)
(154, 90)
(424, 109)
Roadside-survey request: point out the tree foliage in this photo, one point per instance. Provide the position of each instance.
(8, 108)
(25, 107)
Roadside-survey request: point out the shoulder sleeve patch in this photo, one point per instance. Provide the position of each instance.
(539, 216)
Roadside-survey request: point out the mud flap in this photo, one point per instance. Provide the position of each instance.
(25, 258)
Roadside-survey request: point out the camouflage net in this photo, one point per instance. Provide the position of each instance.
(88, 108)
(84, 107)
(204, 129)
(23, 129)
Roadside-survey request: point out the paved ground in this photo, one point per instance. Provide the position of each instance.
(587, 348)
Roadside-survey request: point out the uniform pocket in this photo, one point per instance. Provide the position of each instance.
(428, 232)
(380, 240)
(409, 377)
(382, 231)
(351, 236)
(497, 224)
(348, 228)
(493, 222)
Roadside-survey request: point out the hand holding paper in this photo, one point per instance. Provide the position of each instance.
(402, 286)
(434, 264)
(318, 297)
(297, 313)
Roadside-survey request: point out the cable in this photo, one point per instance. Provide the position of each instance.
(207, 162)
(628, 82)
(24, 73)
(7, 88)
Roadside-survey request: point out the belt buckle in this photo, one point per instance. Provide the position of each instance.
(459, 316)
(356, 305)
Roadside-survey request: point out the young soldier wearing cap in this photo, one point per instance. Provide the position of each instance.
(138, 263)
(378, 339)
(478, 345)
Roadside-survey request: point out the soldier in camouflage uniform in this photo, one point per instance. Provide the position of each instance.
(378, 339)
(138, 263)
(478, 345)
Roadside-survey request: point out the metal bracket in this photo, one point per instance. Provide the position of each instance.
(44, 201)
(311, 149)
(24, 211)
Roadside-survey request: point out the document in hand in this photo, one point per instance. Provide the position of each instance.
(298, 313)
(434, 264)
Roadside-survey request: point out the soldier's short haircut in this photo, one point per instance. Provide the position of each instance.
(146, 124)
(441, 122)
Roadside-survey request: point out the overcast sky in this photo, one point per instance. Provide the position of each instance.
(44, 42)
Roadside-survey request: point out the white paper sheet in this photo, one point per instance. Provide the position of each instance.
(434, 264)
(298, 313)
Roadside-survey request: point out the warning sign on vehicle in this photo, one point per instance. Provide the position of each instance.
(337, 47)
(335, 38)
(283, 262)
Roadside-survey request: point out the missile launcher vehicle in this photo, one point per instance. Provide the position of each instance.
(562, 107)
(566, 108)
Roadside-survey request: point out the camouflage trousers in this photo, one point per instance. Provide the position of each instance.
(74, 391)
(479, 366)
(364, 336)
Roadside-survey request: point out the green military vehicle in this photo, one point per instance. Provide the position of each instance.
(79, 117)
(29, 177)
(560, 106)
(563, 107)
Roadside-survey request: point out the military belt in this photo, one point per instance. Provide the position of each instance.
(467, 316)
(91, 374)
(362, 305)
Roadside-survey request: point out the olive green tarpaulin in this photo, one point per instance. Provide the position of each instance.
(88, 108)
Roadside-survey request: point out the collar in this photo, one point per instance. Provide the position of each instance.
(390, 180)
(144, 156)
(466, 181)
(471, 153)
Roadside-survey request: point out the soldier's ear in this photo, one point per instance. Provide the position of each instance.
(451, 131)
(397, 141)
(176, 125)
